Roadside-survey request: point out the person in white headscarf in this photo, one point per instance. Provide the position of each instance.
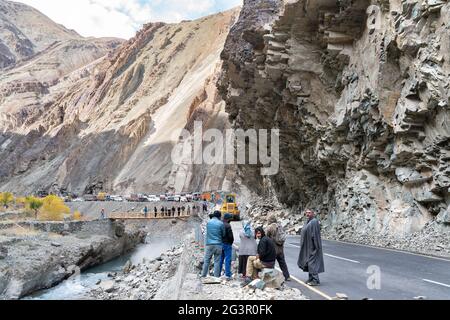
(247, 247)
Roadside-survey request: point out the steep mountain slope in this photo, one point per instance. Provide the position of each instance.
(360, 91)
(25, 32)
(108, 125)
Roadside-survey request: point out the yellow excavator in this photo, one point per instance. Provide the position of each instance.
(228, 204)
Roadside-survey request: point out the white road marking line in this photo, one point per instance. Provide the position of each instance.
(438, 283)
(388, 249)
(320, 293)
(331, 256)
(340, 258)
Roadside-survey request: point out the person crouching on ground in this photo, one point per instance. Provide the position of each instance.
(227, 250)
(311, 255)
(247, 247)
(265, 258)
(215, 233)
(278, 235)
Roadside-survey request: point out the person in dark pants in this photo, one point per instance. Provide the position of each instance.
(247, 247)
(163, 211)
(179, 211)
(266, 257)
(215, 233)
(278, 235)
(311, 253)
(227, 250)
(156, 212)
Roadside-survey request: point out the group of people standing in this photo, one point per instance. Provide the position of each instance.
(172, 212)
(260, 249)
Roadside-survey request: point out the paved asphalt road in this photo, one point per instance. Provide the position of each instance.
(349, 268)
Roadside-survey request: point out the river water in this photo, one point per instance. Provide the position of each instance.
(76, 288)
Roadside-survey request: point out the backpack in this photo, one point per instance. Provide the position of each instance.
(280, 236)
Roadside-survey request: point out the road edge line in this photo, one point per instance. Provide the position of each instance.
(320, 293)
(390, 249)
(437, 283)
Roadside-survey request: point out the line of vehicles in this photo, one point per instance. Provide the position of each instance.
(104, 197)
(224, 202)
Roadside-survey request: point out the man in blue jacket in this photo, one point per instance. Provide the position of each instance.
(215, 233)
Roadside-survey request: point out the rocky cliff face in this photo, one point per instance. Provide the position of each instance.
(82, 117)
(25, 32)
(360, 91)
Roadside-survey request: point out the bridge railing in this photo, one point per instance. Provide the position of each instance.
(149, 216)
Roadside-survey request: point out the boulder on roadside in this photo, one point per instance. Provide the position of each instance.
(272, 278)
(257, 284)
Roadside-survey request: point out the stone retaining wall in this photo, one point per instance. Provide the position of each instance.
(102, 227)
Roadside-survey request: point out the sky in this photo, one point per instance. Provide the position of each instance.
(122, 18)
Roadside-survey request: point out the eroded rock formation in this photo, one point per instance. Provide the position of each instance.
(91, 118)
(360, 91)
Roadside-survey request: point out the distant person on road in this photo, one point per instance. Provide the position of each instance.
(276, 232)
(265, 258)
(183, 210)
(227, 250)
(173, 211)
(103, 214)
(215, 233)
(145, 211)
(311, 255)
(156, 212)
(247, 247)
(189, 210)
(163, 211)
(179, 211)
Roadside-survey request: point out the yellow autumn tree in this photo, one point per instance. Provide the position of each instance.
(53, 209)
(6, 198)
(34, 204)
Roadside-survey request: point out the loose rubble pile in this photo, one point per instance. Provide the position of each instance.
(139, 282)
(433, 239)
(259, 210)
(175, 275)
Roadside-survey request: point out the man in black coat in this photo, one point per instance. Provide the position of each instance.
(227, 251)
(311, 254)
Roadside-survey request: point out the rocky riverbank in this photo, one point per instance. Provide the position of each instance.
(32, 259)
(175, 276)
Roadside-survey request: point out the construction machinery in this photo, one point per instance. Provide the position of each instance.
(227, 203)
